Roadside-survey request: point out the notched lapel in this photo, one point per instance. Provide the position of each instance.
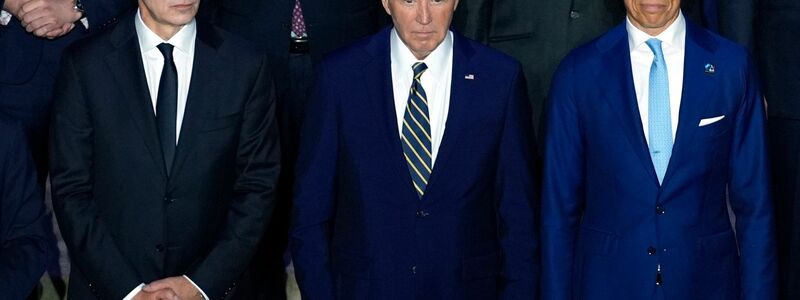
(125, 64)
(699, 88)
(380, 92)
(203, 91)
(462, 92)
(621, 96)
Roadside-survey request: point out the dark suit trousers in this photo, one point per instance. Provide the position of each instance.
(293, 91)
(29, 103)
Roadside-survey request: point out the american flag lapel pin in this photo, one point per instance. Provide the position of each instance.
(469, 77)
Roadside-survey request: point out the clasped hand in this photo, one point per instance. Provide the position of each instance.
(45, 18)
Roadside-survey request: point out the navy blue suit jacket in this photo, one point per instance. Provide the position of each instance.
(361, 232)
(603, 208)
(23, 223)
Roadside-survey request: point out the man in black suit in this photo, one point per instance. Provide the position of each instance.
(23, 223)
(295, 34)
(165, 157)
(778, 26)
(539, 33)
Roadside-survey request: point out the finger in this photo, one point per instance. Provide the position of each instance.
(157, 285)
(167, 294)
(39, 21)
(54, 34)
(31, 6)
(42, 31)
(32, 15)
(66, 28)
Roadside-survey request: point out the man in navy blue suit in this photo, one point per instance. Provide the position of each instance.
(653, 128)
(23, 223)
(390, 204)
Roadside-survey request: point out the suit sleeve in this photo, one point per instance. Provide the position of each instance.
(749, 191)
(257, 166)
(562, 188)
(23, 223)
(93, 250)
(517, 194)
(314, 191)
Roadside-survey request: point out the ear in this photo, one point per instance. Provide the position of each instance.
(386, 6)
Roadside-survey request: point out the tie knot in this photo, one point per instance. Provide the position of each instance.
(655, 46)
(166, 50)
(419, 68)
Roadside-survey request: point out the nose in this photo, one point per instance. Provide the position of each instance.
(424, 12)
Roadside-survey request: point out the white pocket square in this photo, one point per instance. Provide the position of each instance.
(708, 121)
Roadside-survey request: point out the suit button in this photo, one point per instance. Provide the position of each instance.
(651, 251)
(574, 14)
(160, 248)
(413, 269)
(660, 210)
(422, 213)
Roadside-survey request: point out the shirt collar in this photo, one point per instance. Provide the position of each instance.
(183, 40)
(673, 36)
(403, 59)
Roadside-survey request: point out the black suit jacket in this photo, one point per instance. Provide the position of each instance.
(124, 220)
(23, 223)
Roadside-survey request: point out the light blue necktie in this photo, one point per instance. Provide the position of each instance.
(659, 119)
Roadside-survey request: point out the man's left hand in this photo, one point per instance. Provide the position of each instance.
(182, 286)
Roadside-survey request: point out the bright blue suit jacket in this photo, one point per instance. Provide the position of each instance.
(603, 208)
(359, 229)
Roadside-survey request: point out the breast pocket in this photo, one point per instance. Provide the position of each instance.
(713, 127)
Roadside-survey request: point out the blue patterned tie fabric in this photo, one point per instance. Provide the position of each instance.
(416, 134)
(659, 118)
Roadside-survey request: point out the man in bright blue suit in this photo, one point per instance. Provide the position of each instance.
(653, 128)
(391, 205)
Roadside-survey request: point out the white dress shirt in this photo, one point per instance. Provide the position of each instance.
(183, 56)
(435, 80)
(673, 41)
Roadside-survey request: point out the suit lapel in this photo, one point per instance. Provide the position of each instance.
(378, 77)
(697, 94)
(621, 95)
(202, 90)
(125, 64)
(461, 92)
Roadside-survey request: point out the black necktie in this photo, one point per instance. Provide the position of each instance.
(167, 106)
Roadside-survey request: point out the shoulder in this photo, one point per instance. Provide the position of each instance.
(229, 45)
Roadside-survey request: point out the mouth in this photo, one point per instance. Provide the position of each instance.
(653, 8)
(423, 33)
(183, 6)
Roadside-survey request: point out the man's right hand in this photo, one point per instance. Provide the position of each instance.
(162, 294)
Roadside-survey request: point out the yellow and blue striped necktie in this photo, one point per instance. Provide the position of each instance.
(416, 134)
